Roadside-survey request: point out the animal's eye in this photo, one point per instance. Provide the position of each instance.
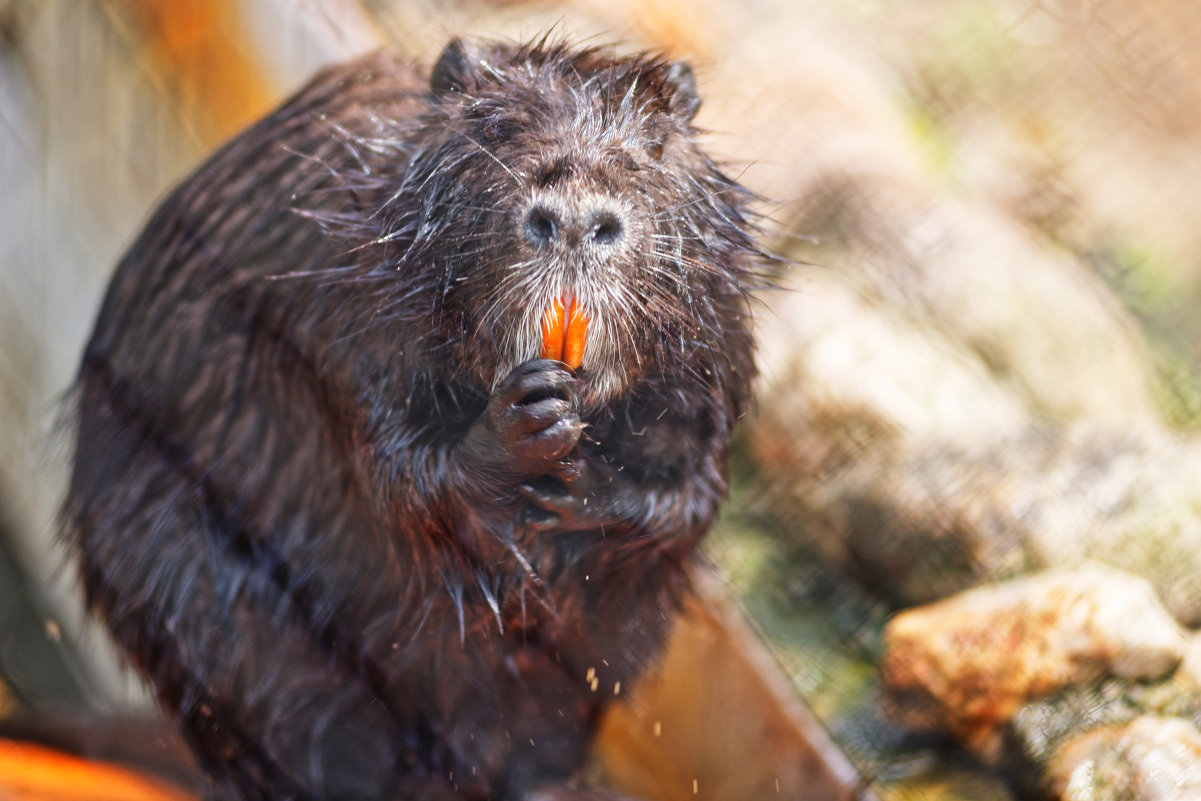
(493, 124)
(558, 170)
(654, 149)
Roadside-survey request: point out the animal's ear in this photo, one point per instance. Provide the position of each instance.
(680, 87)
(452, 72)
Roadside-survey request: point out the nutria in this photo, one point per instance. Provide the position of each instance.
(402, 419)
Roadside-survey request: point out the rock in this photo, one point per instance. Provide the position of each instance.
(965, 665)
(1190, 668)
(827, 352)
(1149, 759)
(1041, 730)
(920, 521)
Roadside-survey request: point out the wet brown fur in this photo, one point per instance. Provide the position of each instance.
(360, 539)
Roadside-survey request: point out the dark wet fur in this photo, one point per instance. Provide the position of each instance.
(362, 544)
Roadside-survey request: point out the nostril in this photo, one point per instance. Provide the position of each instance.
(541, 227)
(606, 228)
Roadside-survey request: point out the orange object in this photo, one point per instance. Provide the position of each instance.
(204, 52)
(565, 332)
(31, 772)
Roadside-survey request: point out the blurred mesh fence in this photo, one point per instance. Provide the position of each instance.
(1077, 123)
(1082, 119)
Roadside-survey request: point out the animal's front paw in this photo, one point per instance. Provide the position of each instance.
(530, 424)
(580, 496)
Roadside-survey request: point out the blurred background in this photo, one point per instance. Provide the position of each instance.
(984, 363)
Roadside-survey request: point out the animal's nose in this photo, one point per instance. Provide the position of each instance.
(595, 222)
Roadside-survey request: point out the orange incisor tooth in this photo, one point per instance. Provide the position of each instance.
(552, 331)
(575, 336)
(564, 332)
